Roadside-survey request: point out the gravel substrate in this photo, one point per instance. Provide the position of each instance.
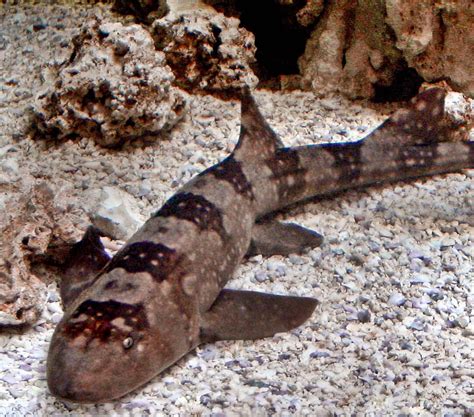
(394, 331)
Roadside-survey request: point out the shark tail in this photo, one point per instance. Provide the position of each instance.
(414, 142)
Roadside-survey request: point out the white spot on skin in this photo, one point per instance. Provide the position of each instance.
(165, 288)
(436, 111)
(399, 115)
(290, 180)
(189, 284)
(421, 105)
(120, 323)
(82, 317)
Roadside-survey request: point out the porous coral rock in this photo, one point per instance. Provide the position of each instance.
(436, 39)
(359, 46)
(207, 51)
(321, 63)
(114, 87)
(310, 12)
(33, 223)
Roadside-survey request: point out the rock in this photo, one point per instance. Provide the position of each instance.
(261, 276)
(310, 12)
(420, 279)
(362, 48)
(114, 87)
(414, 323)
(114, 212)
(433, 39)
(321, 63)
(34, 221)
(364, 316)
(397, 299)
(207, 51)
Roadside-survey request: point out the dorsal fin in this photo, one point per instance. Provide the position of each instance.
(257, 138)
(423, 121)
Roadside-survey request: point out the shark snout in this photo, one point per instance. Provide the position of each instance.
(69, 379)
(78, 374)
(70, 391)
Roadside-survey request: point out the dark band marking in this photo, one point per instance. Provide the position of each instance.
(347, 160)
(230, 170)
(93, 319)
(287, 171)
(194, 208)
(156, 259)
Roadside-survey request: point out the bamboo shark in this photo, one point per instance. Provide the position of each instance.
(130, 317)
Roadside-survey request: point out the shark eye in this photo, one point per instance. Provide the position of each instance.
(128, 342)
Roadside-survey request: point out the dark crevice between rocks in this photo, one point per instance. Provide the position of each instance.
(405, 85)
(142, 11)
(279, 37)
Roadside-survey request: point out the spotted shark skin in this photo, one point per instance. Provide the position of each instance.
(130, 317)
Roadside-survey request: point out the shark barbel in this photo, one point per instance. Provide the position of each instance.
(130, 317)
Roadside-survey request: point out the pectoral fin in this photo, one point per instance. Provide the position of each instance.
(275, 238)
(253, 315)
(85, 259)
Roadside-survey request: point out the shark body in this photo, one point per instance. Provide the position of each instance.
(130, 317)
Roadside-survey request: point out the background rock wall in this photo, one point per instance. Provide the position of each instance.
(380, 49)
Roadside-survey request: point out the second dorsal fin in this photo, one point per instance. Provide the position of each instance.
(257, 139)
(421, 122)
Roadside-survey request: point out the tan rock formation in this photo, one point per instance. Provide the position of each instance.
(115, 87)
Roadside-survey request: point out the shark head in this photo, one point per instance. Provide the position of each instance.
(104, 348)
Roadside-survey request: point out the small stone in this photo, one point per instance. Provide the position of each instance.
(385, 232)
(261, 276)
(462, 322)
(56, 317)
(414, 323)
(435, 294)
(284, 356)
(420, 279)
(319, 354)
(447, 242)
(397, 299)
(8, 378)
(296, 260)
(364, 316)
